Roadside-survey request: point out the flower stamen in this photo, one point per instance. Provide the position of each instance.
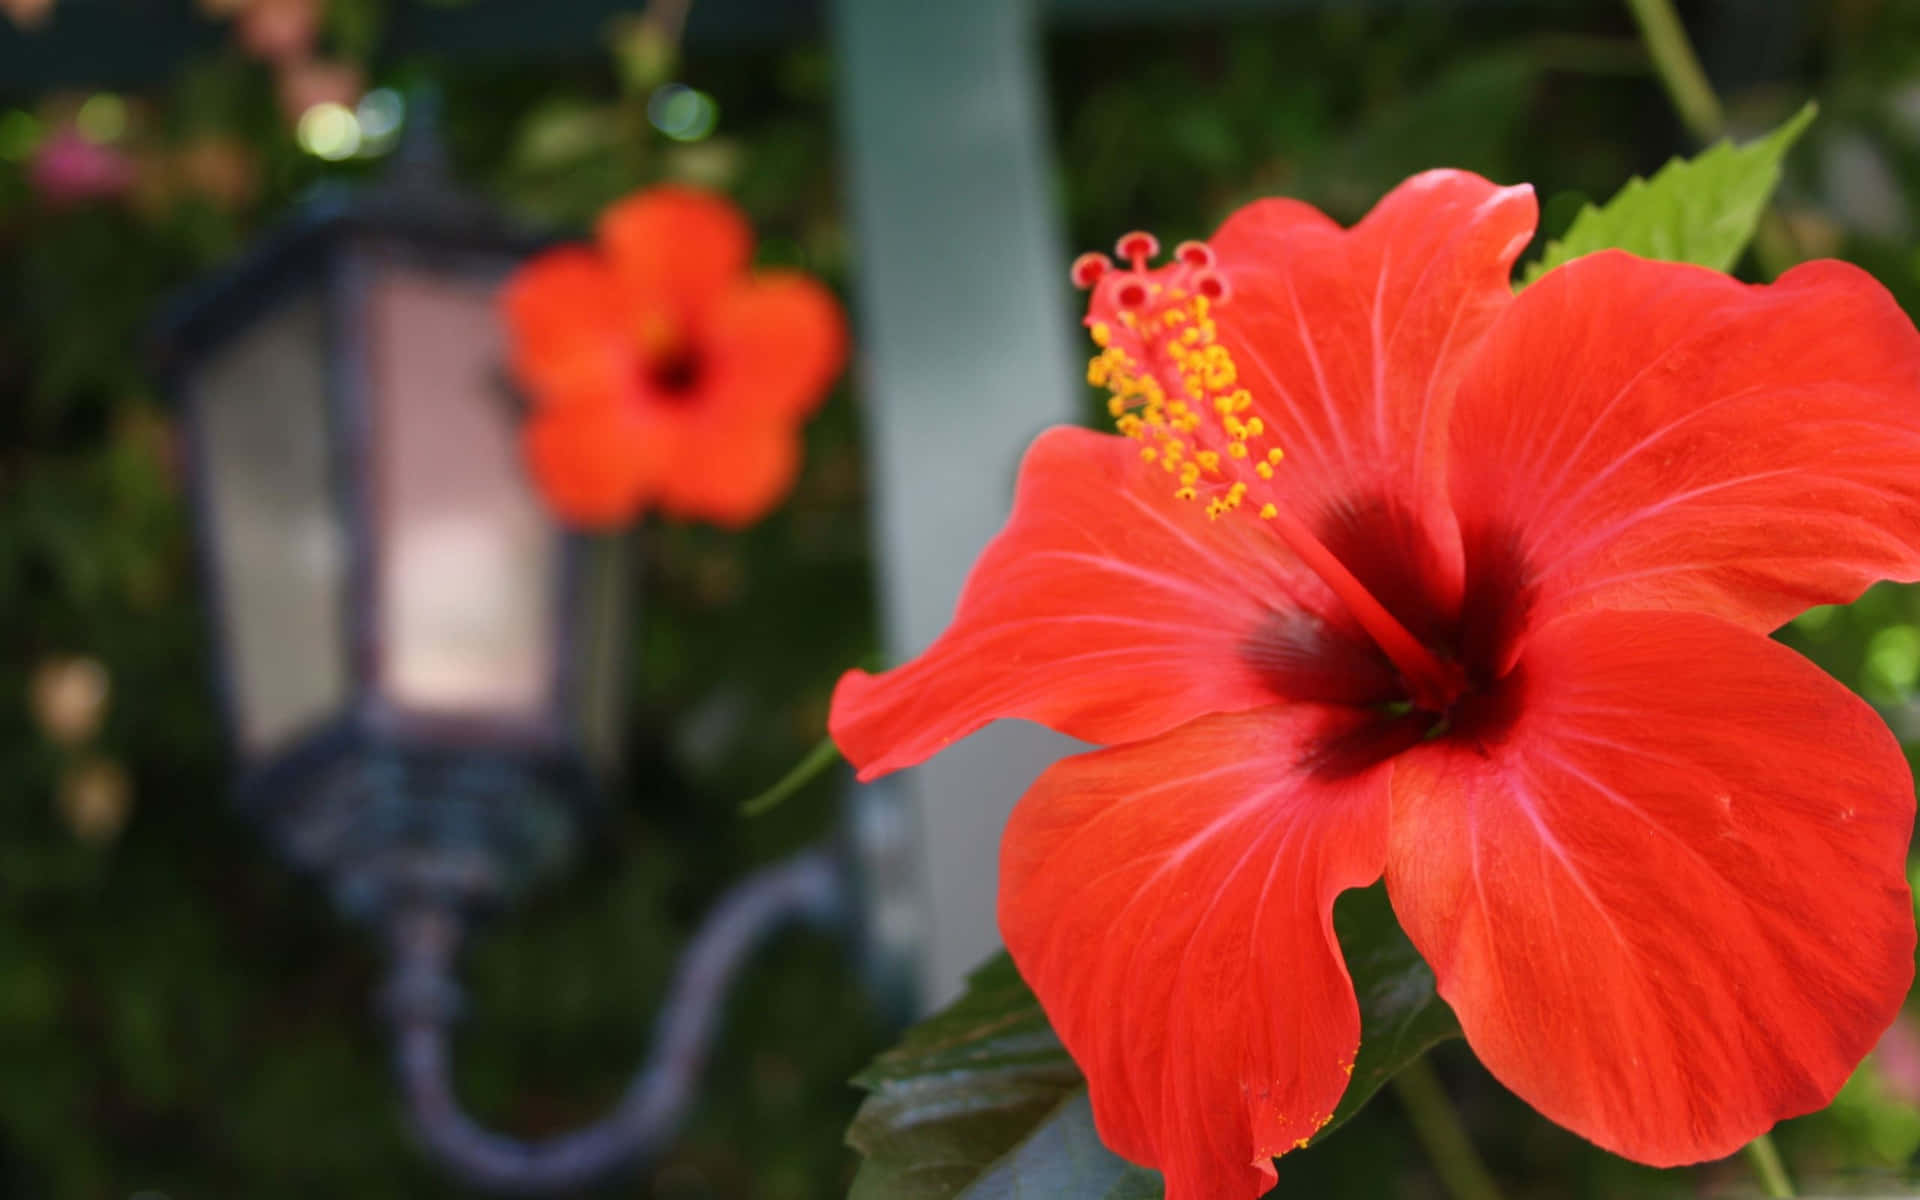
(1174, 388)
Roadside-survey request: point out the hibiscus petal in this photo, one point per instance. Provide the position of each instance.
(595, 462)
(1349, 338)
(562, 310)
(1171, 904)
(729, 474)
(1110, 611)
(1653, 435)
(678, 243)
(1663, 885)
(774, 344)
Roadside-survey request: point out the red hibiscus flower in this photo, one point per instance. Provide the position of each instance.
(662, 373)
(1494, 627)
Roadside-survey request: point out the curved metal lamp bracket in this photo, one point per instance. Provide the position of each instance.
(423, 999)
(420, 845)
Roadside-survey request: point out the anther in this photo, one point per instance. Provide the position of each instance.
(1197, 255)
(1138, 248)
(1088, 268)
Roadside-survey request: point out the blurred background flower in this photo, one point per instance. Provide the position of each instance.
(69, 168)
(661, 371)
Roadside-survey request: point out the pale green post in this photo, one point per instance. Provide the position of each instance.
(964, 327)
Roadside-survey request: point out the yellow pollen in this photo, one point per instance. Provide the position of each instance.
(1176, 389)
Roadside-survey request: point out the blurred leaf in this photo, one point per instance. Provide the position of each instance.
(1876, 1123)
(1700, 210)
(981, 1102)
(644, 53)
(356, 27)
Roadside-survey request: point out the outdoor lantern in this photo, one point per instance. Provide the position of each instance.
(420, 670)
(411, 653)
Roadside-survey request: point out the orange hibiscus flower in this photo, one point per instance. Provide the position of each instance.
(661, 371)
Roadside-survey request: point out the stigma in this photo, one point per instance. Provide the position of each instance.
(1173, 387)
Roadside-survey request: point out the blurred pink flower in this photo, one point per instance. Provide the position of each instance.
(278, 30)
(318, 81)
(1898, 1057)
(27, 14)
(69, 169)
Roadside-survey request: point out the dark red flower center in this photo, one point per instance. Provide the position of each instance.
(1332, 658)
(673, 377)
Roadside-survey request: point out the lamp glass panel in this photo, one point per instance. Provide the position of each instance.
(278, 554)
(467, 562)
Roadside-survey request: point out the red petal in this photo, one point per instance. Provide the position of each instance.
(1651, 435)
(730, 475)
(1171, 903)
(680, 243)
(595, 462)
(1666, 892)
(562, 311)
(1350, 342)
(776, 341)
(1348, 339)
(1111, 612)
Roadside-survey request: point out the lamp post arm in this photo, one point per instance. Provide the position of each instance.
(423, 997)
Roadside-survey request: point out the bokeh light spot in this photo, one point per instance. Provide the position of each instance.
(103, 118)
(380, 114)
(329, 131)
(682, 113)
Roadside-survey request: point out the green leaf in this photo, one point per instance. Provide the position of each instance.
(981, 1102)
(1701, 210)
(1401, 1015)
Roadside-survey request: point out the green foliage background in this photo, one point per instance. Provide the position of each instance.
(179, 1016)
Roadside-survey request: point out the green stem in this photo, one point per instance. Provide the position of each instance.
(1445, 1140)
(1678, 67)
(1766, 1164)
(818, 759)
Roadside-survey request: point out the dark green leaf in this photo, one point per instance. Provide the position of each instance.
(1700, 210)
(1401, 1016)
(981, 1102)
